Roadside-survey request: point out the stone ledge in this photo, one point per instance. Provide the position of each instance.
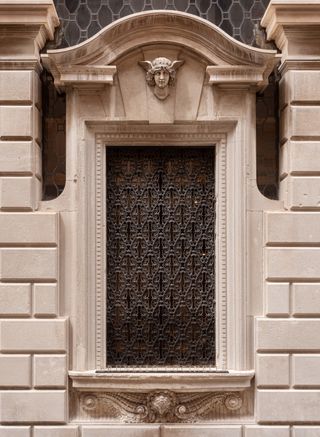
(142, 381)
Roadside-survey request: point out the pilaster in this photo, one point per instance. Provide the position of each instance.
(286, 337)
(25, 25)
(295, 27)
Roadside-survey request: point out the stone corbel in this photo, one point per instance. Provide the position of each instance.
(239, 76)
(80, 76)
(295, 28)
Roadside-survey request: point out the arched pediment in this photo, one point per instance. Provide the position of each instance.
(137, 31)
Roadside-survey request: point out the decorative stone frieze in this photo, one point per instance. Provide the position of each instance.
(159, 406)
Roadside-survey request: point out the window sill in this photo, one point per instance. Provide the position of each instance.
(176, 381)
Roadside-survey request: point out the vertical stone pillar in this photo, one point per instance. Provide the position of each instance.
(288, 336)
(24, 29)
(295, 28)
(33, 338)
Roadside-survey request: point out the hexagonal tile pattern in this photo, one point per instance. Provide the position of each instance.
(81, 19)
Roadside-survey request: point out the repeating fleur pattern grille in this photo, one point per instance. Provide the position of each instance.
(160, 256)
(81, 19)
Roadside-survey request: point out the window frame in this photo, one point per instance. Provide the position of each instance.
(229, 372)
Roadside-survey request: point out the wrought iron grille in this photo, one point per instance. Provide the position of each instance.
(160, 256)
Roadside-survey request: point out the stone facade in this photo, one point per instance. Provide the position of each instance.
(52, 254)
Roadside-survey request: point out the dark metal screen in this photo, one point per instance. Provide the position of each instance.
(160, 256)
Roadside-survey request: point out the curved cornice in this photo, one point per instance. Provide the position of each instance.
(160, 26)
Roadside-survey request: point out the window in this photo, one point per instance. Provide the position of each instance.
(160, 256)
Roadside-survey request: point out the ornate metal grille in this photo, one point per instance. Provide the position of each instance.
(160, 256)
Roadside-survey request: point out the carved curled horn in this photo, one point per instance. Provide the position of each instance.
(176, 64)
(146, 65)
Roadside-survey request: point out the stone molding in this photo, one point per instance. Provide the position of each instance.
(167, 27)
(117, 134)
(26, 26)
(295, 27)
(139, 381)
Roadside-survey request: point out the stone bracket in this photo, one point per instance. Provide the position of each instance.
(84, 76)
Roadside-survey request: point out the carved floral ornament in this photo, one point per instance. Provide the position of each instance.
(161, 74)
(161, 406)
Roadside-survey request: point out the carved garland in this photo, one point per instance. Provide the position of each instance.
(158, 406)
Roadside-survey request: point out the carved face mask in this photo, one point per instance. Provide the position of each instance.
(161, 78)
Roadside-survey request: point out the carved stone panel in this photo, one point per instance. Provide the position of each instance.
(161, 406)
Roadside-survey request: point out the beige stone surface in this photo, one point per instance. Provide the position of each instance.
(299, 263)
(18, 193)
(283, 406)
(299, 87)
(305, 431)
(56, 431)
(304, 192)
(15, 299)
(29, 228)
(292, 228)
(305, 370)
(28, 263)
(273, 370)
(18, 157)
(119, 431)
(15, 371)
(285, 334)
(33, 406)
(302, 122)
(16, 121)
(306, 299)
(15, 431)
(201, 431)
(16, 86)
(267, 431)
(49, 371)
(33, 335)
(45, 300)
(277, 299)
(303, 157)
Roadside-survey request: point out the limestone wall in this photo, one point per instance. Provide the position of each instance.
(280, 301)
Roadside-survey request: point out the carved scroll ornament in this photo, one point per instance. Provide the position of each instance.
(158, 406)
(161, 74)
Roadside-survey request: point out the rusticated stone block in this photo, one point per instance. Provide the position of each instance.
(277, 299)
(18, 192)
(287, 334)
(283, 406)
(15, 431)
(292, 228)
(15, 299)
(56, 431)
(16, 122)
(45, 300)
(19, 157)
(33, 335)
(306, 299)
(15, 371)
(305, 370)
(32, 264)
(267, 431)
(33, 406)
(50, 371)
(201, 430)
(120, 431)
(29, 228)
(295, 263)
(273, 370)
(306, 431)
(16, 86)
